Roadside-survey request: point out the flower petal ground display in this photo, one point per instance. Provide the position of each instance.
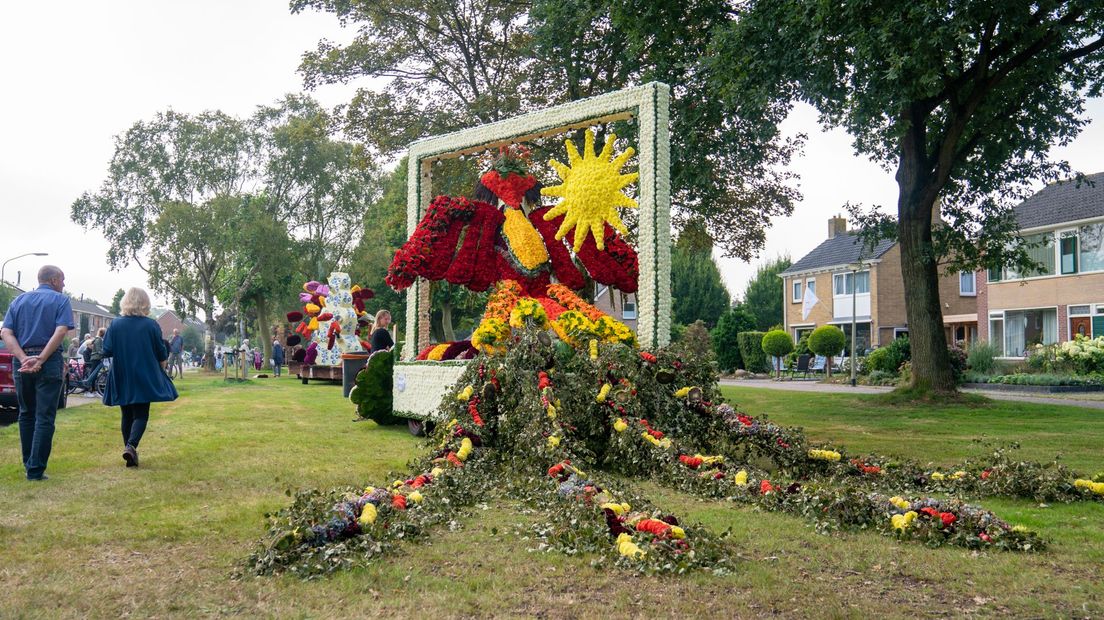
(550, 424)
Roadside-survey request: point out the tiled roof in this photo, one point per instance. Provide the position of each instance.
(87, 307)
(840, 250)
(1064, 201)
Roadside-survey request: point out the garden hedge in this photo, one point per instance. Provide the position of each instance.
(751, 350)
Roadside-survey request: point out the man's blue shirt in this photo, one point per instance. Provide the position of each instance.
(34, 316)
(177, 344)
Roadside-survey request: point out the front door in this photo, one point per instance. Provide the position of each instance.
(1081, 325)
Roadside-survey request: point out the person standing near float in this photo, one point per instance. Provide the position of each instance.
(381, 338)
(34, 326)
(136, 378)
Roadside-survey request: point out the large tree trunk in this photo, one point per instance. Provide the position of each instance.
(209, 314)
(264, 326)
(931, 362)
(446, 322)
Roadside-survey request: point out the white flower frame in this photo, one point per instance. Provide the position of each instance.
(649, 104)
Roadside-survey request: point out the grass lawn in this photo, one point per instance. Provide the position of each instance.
(166, 539)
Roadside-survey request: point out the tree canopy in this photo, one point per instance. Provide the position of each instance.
(697, 291)
(763, 295)
(448, 65)
(223, 212)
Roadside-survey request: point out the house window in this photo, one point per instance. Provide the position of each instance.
(800, 332)
(995, 274)
(1091, 250)
(797, 291)
(862, 337)
(996, 331)
(1040, 250)
(844, 283)
(628, 309)
(810, 285)
(966, 286)
(1067, 251)
(1023, 329)
(1079, 310)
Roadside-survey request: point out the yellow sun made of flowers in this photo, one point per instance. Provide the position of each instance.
(591, 191)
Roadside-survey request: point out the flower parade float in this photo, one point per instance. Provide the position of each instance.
(332, 322)
(560, 408)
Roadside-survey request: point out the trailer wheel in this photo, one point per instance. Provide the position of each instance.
(416, 427)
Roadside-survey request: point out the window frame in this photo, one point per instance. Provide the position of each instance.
(797, 290)
(1062, 235)
(973, 282)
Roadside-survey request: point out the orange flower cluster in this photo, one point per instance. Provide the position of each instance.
(568, 299)
(503, 300)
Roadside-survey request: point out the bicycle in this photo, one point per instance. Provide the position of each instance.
(91, 385)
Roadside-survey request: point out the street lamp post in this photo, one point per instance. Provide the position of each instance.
(856, 267)
(5, 265)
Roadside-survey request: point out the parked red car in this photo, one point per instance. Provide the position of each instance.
(7, 384)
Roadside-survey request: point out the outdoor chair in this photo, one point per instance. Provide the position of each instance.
(818, 364)
(802, 366)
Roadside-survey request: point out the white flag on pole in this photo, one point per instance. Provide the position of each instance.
(808, 302)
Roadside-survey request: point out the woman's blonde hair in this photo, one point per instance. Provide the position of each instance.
(136, 302)
(101, 331)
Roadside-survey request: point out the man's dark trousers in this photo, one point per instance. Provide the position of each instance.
(38, 394)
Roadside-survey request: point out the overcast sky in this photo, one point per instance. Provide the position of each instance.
(77, 73)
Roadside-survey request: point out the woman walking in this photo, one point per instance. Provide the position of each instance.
(136, 378)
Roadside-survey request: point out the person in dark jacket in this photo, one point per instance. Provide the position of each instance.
(136, 378)
(277, 356)
(381, 338)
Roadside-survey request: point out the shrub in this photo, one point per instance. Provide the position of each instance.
(777, 343)
(1082, 355)
(827, 340)
(880, 377)
(751, 349)
(891, 357)
(695, 342)
(1032, 379)
(958, 362)
(982, 357)
(861, 369)
(724, 335)
(879, 360)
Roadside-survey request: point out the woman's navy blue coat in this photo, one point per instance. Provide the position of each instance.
(136, 349)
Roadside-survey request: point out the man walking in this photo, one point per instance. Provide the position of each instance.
(176, 355)
(34, 326)
(277, 356)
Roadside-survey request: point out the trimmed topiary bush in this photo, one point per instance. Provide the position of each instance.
(373, 394)
(777, 343)
(751, 349)
(827, 340)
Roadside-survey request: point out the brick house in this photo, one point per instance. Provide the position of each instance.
(89, 317)
(621, 306)
(1066, 296)
(169, 320)
(817, 290)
